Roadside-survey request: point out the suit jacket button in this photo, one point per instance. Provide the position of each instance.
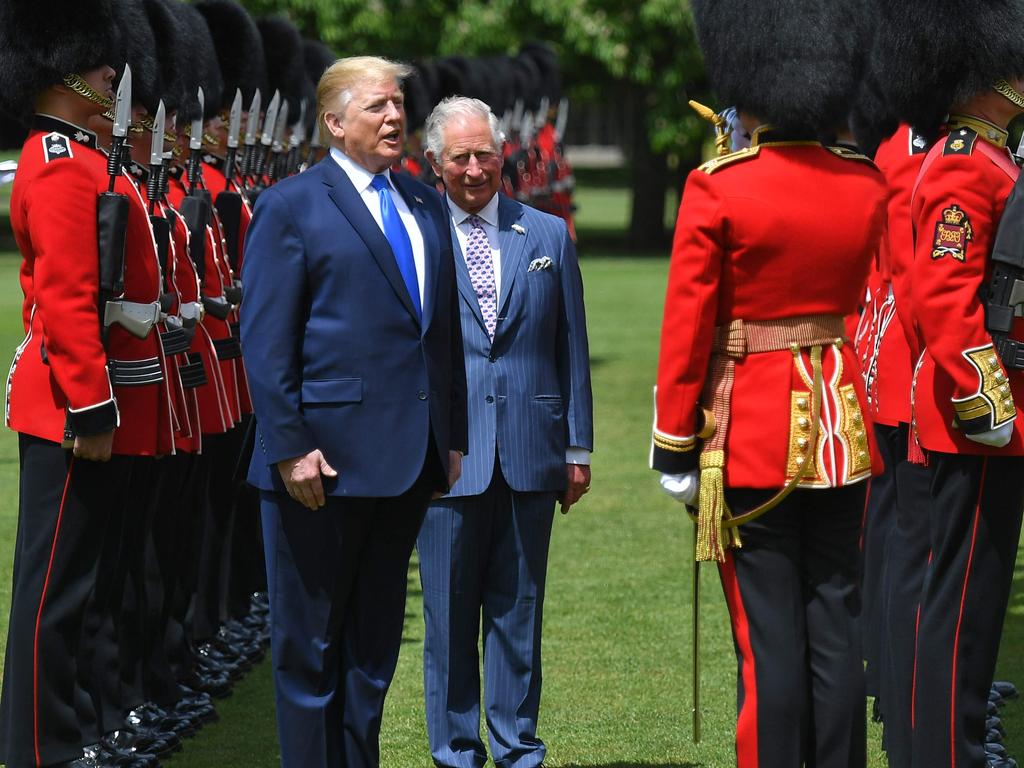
(489, 398)
(421, 395)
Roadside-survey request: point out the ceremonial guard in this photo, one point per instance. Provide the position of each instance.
(760, 405)
(86, 391)
(967, 385)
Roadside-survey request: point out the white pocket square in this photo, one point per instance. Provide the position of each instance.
(542, 263)
(518, 229)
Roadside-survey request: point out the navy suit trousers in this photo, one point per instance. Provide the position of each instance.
(337, 579)
(485, 556)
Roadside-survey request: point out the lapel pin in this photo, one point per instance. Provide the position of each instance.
(519, 229)
(418, 200)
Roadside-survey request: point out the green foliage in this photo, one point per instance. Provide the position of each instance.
(648, 45)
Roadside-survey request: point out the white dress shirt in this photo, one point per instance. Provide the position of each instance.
(362, 180)
(489, 222)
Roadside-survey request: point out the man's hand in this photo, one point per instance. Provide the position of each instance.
(995, 438)
(578, 484)
(684, 487)
(454, 472)
(94, 447)
(301, 477)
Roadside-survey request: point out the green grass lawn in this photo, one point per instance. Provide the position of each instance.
(617, 629)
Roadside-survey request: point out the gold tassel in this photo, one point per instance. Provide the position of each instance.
(719, 122)
(711, 507)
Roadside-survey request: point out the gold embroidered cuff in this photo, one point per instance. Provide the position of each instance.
(992, 406)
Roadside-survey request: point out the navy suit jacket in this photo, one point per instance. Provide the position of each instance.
(336, 357)
(529, 391)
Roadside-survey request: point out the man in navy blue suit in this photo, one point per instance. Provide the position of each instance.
(354, 353)
(484, 547)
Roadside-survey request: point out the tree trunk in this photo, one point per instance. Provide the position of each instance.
(650, 181)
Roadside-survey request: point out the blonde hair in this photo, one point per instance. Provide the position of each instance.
(342, 76)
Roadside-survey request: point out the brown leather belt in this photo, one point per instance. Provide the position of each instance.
(734, 342)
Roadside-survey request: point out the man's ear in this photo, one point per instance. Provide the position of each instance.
(334, 125)
(433, 163)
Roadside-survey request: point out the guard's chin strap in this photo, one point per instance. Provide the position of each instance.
(1011, 93)
(77, 84)
(721, 125)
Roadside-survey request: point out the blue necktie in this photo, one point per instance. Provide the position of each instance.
(398, 237)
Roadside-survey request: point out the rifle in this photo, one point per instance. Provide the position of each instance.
(229, 202)
(266, 145)
(295, 142)
(274, 169)
(1005, 295)
(196, 209)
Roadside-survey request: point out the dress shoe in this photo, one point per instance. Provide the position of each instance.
(161, 744)
(215, 685)
(204, 713)
(115, 758)
(149, 717)
(1002, 762)
(993, 737)
(991, 709)
(1005, 689)
(81, 762)
(234, 666)
(994, 724)
(995, 750)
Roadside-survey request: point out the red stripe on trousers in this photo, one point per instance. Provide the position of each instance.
(960, 616)
(746, 720)
(864, 515)
(39, 618)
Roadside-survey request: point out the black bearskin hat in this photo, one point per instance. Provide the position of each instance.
(286, 63)
(203, 71)
(239, 47)
(172, 56)
(938, 53)
(137, 47)
(40, 43)
(796, 64)
(551, 73)
(317, 57)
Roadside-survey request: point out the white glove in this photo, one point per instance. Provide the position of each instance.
(996, 438)
(683, 488)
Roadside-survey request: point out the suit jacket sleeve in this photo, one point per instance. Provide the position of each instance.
(691, 307)
(273, 326)
(574, 350)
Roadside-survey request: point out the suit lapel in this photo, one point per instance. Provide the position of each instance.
(513, 246)
(351, 205)
(431, 246)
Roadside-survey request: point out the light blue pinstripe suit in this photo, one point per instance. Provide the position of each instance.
(483, 548)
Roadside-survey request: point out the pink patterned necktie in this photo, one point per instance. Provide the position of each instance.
(481, 272)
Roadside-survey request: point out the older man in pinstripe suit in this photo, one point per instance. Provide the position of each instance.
(483, 548)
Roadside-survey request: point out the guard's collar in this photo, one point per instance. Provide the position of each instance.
(768, 135)
(50, 124)
(990, 132)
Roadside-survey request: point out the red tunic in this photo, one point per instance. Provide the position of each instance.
(784, 229)
(890, 364)
(62, 365)
(960, 385)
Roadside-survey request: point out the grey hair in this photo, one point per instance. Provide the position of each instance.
(452, 108)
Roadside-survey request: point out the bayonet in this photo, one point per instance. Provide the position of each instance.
(195, 144)
(252, 129)
(122, 120)
(277, 147)
(314, 145)
(234, 129)
(156, 156)
(563, 119)
(295, 141)
(542, 111)
(267, 137)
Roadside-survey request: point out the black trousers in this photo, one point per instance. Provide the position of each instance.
(879, 522)
(46, 715)
(794, 604)
(220, 454)
(906, 562)
(974, 524)
(248, 568)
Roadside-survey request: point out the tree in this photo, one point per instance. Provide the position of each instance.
(646, 47)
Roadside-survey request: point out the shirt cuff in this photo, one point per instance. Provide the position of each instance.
(576, 455)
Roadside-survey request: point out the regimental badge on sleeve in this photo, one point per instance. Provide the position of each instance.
(55, 146)
(952, 234)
